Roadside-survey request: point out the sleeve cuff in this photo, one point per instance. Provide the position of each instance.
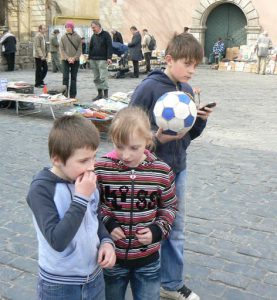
(111, 225)
(107, 240)
(81, 199)
(157, 234)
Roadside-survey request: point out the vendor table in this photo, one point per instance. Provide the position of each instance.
(50, 102)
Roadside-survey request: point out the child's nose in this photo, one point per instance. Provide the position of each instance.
(125, 155)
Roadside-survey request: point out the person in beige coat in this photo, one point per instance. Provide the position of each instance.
(71, 50)
(40, 54)
(147, 53)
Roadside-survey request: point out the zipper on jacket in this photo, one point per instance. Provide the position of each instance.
(132, 177)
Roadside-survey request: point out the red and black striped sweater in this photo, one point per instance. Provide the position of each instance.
(136, 198)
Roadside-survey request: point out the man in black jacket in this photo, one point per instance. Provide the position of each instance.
(117, 37)
(100, 55)
(8, 42)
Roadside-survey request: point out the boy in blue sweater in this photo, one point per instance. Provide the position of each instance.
(73, 244)
(182, 55)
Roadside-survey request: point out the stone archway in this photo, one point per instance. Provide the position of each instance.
(201, 13)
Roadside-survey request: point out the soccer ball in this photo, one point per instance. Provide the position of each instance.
(175, 112)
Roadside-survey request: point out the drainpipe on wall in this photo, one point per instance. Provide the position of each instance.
(29, 19)
(18, 19)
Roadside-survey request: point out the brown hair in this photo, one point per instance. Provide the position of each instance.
(70, 133)
(185, 45)
(128, 121)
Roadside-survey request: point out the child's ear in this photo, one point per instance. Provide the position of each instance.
(168, 59)
(56, 161)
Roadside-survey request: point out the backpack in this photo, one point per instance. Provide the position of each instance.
(152, 44)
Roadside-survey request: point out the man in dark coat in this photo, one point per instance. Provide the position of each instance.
(8, 42)
(135, 52)
(117, 37)
(100, 56)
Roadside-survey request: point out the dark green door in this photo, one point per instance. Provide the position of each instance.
(228, 22)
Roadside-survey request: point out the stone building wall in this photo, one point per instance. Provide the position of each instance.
(163, 18)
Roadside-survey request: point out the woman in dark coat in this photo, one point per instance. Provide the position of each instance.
(135, 52)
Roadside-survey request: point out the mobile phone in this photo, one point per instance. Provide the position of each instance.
(209, 105)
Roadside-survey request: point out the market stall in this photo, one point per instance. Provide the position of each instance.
(102, 111)
(20, 95)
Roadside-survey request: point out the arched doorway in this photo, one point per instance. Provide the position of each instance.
(205, 8)
(228, 22)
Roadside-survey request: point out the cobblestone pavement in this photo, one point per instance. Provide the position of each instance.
(231, 198)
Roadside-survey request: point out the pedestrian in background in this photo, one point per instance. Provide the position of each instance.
(100, 56)
(147, 53)
(135, 52)
(117, 37)
(218, 51)
(84, 56)
(186, 29)
(54, 50)
(262, 47)
(40, 54)
(71, 50)
(8, 42)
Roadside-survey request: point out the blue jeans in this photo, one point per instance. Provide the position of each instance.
(172, 250)
(144, 281)
(94, 290)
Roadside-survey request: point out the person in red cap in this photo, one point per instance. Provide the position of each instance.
(71, 50)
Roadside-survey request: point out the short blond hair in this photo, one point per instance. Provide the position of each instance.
(128, 121)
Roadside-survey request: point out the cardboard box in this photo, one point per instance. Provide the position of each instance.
(223, 66)
(247, 68)
(236, 53)
(232, 53)
(233, 66)
(239, 66)
(229, 54)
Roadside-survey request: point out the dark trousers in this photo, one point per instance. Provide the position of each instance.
(73, 70)
(10, 60)
(136, 68)
(41, 71)
(147, 58)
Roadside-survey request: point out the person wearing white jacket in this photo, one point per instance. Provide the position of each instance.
(262, 47)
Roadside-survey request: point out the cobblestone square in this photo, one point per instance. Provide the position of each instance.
(231, 197)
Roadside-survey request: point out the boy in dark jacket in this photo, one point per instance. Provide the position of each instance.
(182, 55)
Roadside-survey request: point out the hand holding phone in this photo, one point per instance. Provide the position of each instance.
(209, 105)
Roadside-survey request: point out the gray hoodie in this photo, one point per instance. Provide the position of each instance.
(69, 230)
